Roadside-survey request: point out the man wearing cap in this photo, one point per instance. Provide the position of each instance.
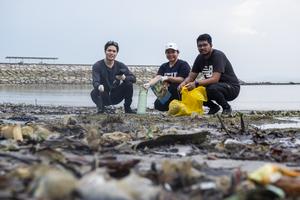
(220, 81)
(112, 81)
(172, 73)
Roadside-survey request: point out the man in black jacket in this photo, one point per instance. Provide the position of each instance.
(112, 81)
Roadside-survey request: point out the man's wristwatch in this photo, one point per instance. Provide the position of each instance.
(196, 84)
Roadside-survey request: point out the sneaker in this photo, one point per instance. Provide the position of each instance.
(129, 110)
(106, 110)
(227, 111)
(109, 110)
(213, 110)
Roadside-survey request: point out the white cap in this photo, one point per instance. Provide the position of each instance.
(171, 45)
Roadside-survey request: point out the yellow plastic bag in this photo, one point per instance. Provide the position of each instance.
(279, 176)
(270, 173)
(192, 102)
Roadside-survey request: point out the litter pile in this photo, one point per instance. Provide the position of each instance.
(73, 153)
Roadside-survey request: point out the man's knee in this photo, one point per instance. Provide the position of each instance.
(212, 87)
(127, 84)
(159, 106)
(211, 90)
(156, 104)
(94, 93)
(124, 87)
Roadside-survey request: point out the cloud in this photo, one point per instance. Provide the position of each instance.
(257, 35)
(245, 17)
(247, 8)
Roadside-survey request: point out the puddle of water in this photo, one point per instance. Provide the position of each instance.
(287, 122)
(181, 150)
(10, 121)
(279, 126)
(293, 119)
(288, 143)
(38, 117)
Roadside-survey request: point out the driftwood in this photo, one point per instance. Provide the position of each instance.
(194, 138)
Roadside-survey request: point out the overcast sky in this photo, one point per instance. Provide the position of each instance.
(260, 37)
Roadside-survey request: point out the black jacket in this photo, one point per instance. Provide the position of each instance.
(102, 75)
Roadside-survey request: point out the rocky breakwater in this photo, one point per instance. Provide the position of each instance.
(61, 73)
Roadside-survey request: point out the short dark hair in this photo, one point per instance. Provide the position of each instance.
(111, 43)
(205, 37)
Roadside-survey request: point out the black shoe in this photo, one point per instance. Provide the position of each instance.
(213, 110)
(100, 110)
(129, 110)
(227, 111)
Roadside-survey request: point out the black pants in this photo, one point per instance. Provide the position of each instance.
(221, 93)
(165, 107)
(115, 96)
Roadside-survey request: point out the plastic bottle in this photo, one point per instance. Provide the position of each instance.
(142, 102)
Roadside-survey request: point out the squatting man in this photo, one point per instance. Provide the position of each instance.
(220, 81)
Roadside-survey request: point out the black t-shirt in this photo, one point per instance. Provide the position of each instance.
(180, 69)
(217, 62)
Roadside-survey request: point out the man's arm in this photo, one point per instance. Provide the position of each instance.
(96, 77)
(172, 79)
(129, 76)
(192, 76)
(214, 79)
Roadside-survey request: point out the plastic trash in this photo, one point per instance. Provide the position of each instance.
(192, 102)
(286, 179)
(160, 89)
(142, 102)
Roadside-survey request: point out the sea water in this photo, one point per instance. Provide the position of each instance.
(251, 97)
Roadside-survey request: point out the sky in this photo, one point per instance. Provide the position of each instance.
(259, 37)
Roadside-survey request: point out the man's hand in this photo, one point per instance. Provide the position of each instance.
(121, 77)
(101, 88)
(164, 78)
(190, 85)
(146, 85)
(181, 85)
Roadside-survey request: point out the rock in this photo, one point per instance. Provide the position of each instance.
(93, 139)
(97, 186)
(53, 184)
(69, 120)
(174, 174)
(27, 131)
(9, 145)
(116, 136)
(12, 132)
(233, 145)
(51, 73)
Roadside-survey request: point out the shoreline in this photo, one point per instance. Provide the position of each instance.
(119, 108)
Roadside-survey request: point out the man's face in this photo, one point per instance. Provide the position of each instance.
(111, 53)
(171, 55)
(204, 47)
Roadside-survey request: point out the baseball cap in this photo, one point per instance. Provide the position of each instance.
(171, 45)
